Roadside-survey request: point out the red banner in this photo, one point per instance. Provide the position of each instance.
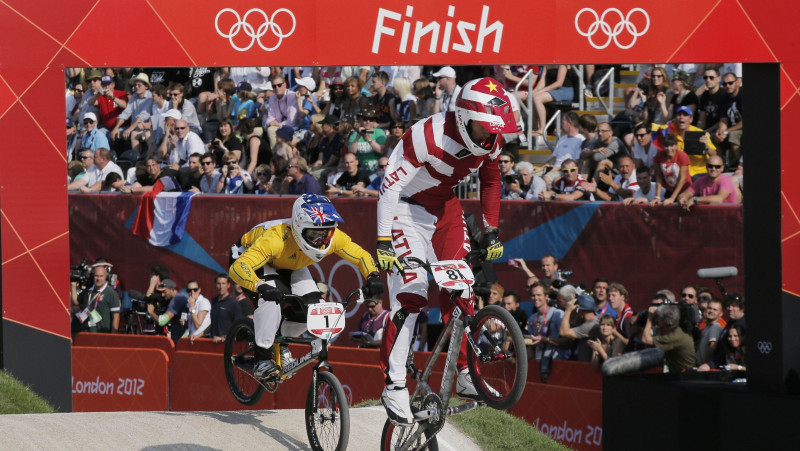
(118, 379)
(646, 249)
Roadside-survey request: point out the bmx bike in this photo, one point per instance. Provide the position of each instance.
(327, 414)
(496, 358)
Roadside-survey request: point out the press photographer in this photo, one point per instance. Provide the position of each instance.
(97, 308)
(177, 310)
(523, 184)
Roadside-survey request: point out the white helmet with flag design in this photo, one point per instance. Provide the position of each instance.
(314, 219)
(485, 102)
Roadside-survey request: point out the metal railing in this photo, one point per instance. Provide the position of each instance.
(528, 107)
(607, 78)
(469, 187)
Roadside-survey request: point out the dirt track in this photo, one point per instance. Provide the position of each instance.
(241, 430)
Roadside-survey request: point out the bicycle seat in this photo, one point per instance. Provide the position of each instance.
(295, 308)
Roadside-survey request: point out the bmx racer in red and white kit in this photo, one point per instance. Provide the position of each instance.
(419, 215)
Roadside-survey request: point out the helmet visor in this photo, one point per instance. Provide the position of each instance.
(318, 238)
(481, 136)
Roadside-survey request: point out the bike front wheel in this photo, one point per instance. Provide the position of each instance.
(499, 366)
(327, 414)
(240, 345)
(394, 437)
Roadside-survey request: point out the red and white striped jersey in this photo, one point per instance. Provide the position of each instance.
(428, 163)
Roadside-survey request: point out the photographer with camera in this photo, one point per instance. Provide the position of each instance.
(589, 329)
(169, 308)
(523, 184)
(97, 308)
(234, 179)
(367, 140)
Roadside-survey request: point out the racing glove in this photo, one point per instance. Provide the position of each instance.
(270, 293)
(493, 246)
(374, 286)
(387, 259)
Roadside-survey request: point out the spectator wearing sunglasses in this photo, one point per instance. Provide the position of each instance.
(282, 109)
(373, 189)
(199, 317)
(729, 130)
(262, 180)
(211, 176)
(644, 152)
(570, 186)
(712, 101)
(396, 131)
(86, 157)
(712, 188)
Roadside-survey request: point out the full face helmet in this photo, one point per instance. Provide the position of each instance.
(485, 102)
(314, 220)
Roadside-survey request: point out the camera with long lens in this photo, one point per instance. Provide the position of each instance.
(81, 273)
(159, 302)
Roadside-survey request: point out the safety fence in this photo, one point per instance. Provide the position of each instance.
(113, 372)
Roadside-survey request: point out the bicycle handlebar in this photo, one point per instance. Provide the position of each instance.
(478, 254)
(299, 300)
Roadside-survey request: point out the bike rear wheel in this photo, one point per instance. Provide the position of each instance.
(394, 436)
(500, 372)
(327, 414)
(240, 345)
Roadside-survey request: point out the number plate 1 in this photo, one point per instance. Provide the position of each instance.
(325, 320)
(452, 274)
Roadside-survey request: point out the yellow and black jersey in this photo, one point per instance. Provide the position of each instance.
(272, 243)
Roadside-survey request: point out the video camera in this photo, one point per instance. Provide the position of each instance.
(81, 273)
(560, 278)
(139, 303)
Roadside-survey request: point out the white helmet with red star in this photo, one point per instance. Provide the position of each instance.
(485, 102)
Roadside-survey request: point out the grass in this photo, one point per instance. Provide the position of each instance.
(16, 398)
(495, 429)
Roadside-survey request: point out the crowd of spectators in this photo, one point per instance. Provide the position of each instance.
(288, 130)
(696, 330)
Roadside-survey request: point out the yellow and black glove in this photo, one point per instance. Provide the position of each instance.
(387, 259)
(493, 246)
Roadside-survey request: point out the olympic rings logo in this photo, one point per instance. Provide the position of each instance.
(242, 24)
(765, 347)
(623, 24)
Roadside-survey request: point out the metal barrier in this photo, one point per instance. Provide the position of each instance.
(607, 78)
(469, 187)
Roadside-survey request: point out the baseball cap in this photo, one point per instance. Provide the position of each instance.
(90, 116)
(94, 74)
(173, 113)
(105, 79)
(446, 71)
(685, 110)
(307, 82)
(167, 283)
(286, 132)
(70, 123)
(244, 86)
(586, 302)
(337, 81)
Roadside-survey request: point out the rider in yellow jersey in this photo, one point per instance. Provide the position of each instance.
(273, 258)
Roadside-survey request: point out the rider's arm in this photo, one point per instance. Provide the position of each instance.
(243, 270)
(402, 168)
(491, 184)
(344, 247)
